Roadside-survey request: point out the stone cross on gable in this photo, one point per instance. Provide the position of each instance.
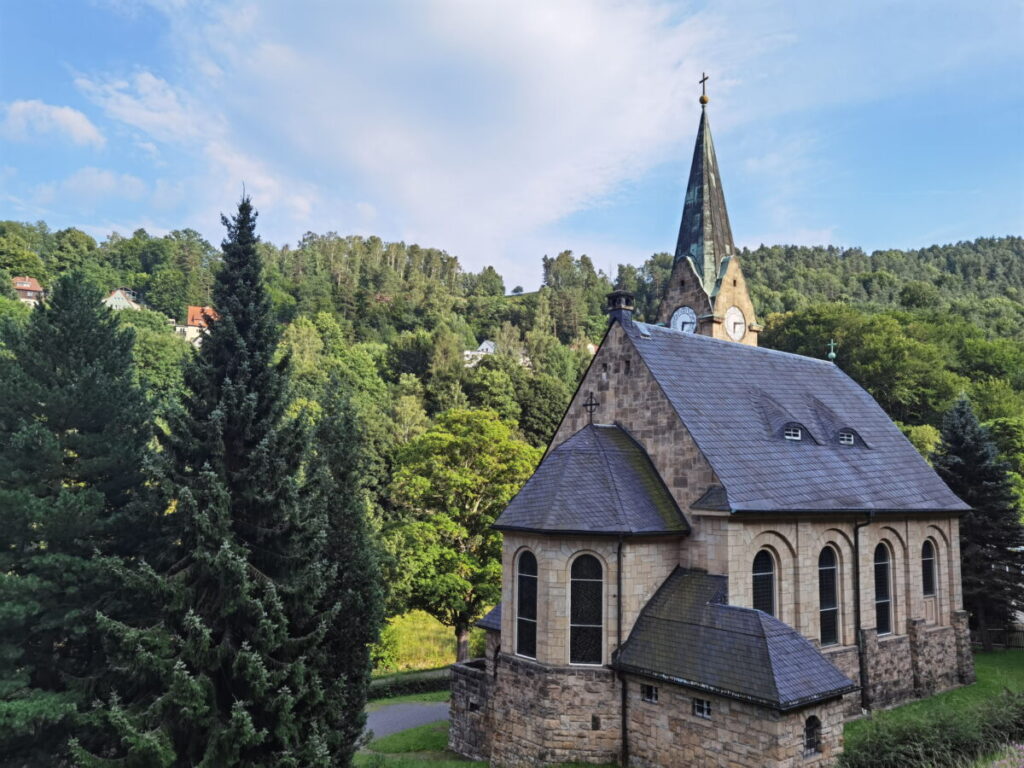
(590, 405)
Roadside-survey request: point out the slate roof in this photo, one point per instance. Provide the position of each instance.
(599, 481)
(735, 400)
(687, 635)
(492, 620)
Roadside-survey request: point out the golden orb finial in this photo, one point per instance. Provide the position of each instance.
(704, 98)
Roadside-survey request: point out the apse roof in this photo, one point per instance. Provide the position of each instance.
(737, 400)
(599, 481)
(688, 636)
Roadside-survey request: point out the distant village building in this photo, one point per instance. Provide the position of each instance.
(29, 290)
(725, 554)
(197, 319)
(470, 357)
(123, 298)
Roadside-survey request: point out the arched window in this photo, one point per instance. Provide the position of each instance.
(883, 590)
(764, 582)
(828, 603)
(812, 736)
(928, 569)
(526, 605)
(585, 610)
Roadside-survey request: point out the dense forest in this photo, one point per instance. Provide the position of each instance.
(389, 323)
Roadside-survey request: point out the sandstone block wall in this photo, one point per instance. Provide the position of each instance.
(667, 734)
(470, 718)
(546, 715)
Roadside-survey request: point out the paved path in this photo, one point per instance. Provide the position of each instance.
(399, 717)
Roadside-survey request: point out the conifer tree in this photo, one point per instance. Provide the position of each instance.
(991, 536)
(229, 675)
(74, 429)
(354, 599)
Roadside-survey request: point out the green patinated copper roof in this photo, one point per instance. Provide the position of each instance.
(705, 236)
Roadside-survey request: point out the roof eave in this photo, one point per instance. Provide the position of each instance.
(586, 532)
(781, 706)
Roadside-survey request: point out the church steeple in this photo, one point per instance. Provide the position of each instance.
(704, 234)
(706, 292)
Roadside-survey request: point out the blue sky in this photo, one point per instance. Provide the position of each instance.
(501, 130)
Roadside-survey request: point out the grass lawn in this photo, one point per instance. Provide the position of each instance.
(996, 670)
(432, 696)
(422, 642)
(426, 745)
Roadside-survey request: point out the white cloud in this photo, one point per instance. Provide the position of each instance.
(146, 102)
(24, 120)
(87, 187)
(479, 127)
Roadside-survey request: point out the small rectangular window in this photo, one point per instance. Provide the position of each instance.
(793, 433)
(649, 693)
(702, 708)
(628, 366)
(846, 438)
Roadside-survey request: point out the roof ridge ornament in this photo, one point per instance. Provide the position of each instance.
(703, 90)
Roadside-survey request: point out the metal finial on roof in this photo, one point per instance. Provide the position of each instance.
(703, 90)
(590, 405)
(832, 350)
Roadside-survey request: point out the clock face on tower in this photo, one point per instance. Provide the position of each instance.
(735, 323)
(684, 319)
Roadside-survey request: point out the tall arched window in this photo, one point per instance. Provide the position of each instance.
(812, 736)
(928, 569)
(764, 582)
(883, 590)
(526, 605)
(828, 602)
(585, 610)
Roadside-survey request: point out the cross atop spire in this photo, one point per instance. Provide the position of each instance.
(703, 91)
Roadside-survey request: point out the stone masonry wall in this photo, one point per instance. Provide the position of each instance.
(964, 656)
(547, 715)
(890, 671)
(845, 657)
(667, 734)
(470, 710)
(933, 657)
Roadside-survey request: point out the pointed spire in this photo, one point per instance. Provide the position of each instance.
(704, 234)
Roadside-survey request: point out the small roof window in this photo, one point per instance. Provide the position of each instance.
(847, 436)
(793, 432)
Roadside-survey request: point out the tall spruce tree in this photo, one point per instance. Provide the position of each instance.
(231, 673)
(74, 429)
(991, 536)
(354, 600)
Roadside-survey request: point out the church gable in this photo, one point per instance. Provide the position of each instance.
(627, 394)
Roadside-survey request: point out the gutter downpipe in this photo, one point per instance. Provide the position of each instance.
(624, 707)
(865, 698)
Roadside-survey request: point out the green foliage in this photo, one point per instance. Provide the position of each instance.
(160, 356)
(943, 738)
(432, 737)
(74, 429)
(6, 286)
(925, 438)
(232, 667)
(450, 484)
(991, 534)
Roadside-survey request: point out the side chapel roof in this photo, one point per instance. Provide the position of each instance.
(736, 401)
(687, 635)
(599, 481)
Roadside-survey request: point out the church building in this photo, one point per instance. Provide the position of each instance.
(725, 554)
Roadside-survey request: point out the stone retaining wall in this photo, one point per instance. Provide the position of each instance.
(549, 715)
(470, 719)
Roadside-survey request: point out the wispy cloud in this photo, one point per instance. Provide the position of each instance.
(24, 120)
(89, 186)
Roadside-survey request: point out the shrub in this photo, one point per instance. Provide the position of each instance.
(938, 740)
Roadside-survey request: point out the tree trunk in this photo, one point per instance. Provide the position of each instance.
(462, 642)
(986, 637)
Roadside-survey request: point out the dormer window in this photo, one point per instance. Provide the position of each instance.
(793, 432)
(846, 437)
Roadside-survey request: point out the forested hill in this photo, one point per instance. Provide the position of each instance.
(916, 328)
